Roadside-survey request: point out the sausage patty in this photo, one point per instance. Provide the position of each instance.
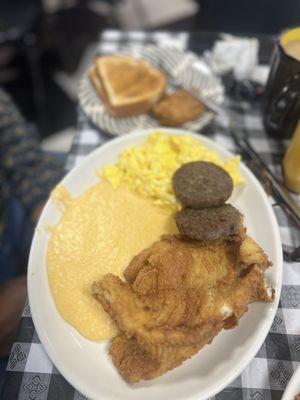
(201, 184)
(209, 223)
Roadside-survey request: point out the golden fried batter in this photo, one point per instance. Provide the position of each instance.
(177, 108)
(177, 296)
(135, 361)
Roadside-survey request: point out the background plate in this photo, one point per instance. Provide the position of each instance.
(183, 69)
(86, 364)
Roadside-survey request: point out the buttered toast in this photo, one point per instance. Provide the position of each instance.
(128, 86)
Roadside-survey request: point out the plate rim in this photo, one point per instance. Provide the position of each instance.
(279, 262)
(292, 386)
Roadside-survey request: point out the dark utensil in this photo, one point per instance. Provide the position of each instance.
(291, 256)
(258, 168)
(273, 186)
(281, 194)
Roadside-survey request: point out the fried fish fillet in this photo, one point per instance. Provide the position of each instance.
(136, 361)
(177, 296)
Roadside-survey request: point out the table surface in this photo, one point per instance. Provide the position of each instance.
(30, 373)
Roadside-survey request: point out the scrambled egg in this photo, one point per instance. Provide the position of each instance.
(147, 169)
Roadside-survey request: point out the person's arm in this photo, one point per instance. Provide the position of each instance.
(13, 295)
(31, 173)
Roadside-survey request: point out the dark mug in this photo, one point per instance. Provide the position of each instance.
(282, 94)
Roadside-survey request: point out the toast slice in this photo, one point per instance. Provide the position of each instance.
(127, 86)
(177, 108)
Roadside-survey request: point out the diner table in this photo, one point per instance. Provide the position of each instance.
(31, 374)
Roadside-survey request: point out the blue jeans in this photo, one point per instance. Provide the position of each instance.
(14, 251)
(17, 238)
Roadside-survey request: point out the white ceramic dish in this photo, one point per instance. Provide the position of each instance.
(293, 387)
(86, 364)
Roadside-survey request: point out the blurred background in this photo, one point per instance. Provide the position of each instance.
(45, 45)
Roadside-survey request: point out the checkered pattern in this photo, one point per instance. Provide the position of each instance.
(30, 373)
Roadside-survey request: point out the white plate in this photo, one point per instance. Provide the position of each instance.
(183, 69)
(86, 364)
(293, 387)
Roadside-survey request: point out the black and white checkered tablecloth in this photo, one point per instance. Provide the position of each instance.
(32, 376)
